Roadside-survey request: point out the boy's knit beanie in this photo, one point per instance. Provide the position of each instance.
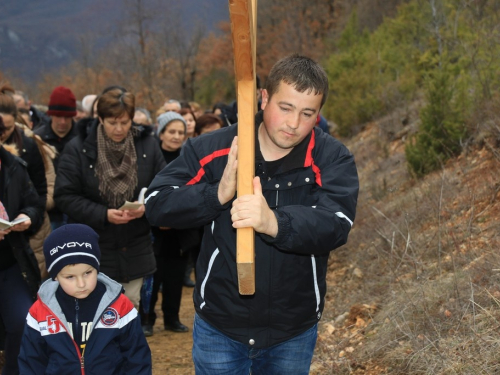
(71, 244)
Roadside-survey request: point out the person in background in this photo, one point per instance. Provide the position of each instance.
(37, 117)
(19, 273)
(322, 123)
(142, 117)
(79, 112)
(107, 164)
(190, 119)
(172, 247)
(224, 111)
(48, 154)
(61, 128)
(39, 158)
(303, 206)
(218, 108)
(196, 108)
(87, 104)
(172, 105)
(207, 123)
(57, 133)
(93, 113)
(26, 147)
(25, 114)
(81, 322)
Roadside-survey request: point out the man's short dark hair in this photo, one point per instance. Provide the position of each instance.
(301, 72)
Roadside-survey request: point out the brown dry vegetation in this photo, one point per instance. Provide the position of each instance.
(416, 290)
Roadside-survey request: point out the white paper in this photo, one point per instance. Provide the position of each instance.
(4, 224)
(135, 205)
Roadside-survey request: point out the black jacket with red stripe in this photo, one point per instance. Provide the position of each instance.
(314, 194)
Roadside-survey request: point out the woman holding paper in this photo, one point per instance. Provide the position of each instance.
(101, 169)
(19, 273)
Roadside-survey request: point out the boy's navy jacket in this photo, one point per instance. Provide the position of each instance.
(116, 344)
(313, 194)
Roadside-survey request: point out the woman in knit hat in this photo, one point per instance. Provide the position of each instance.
(171, 246)
(106, 165)
(19, 273)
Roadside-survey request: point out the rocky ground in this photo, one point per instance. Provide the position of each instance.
(171, 351)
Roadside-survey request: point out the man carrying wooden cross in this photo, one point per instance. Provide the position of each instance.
(303, 206)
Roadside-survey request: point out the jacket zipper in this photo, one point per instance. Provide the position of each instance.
(77, 308)
(67, 332)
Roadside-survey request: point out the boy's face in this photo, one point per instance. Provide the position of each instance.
(78, 280)
(289, 116)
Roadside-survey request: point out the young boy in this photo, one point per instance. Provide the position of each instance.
(81, 322)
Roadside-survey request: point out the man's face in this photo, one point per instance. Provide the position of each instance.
(289, 116)
(172, 107)
(10, 125)
(61, 125)
(78, 280)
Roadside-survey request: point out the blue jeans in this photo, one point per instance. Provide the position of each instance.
(216, 354)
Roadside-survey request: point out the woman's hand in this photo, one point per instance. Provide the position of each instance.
(118, 217)
(21, 227)
(135, 214)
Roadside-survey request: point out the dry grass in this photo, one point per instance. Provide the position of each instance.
(417, 288)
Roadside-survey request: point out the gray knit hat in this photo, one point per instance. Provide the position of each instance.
(166, 118)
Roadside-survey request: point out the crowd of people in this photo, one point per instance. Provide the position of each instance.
(107, 182)
(79, 162)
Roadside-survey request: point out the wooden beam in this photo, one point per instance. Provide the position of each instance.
(243, 28)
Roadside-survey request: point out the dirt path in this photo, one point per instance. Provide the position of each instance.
(171, 351)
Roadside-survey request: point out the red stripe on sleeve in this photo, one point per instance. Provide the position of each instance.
(309, 162)
(207, 159)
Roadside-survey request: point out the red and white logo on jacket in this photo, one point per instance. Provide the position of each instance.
(53, 324)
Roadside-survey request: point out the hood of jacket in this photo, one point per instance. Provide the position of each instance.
(47, 294)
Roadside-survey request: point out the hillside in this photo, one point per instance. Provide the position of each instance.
(39, 36)
(416, 289)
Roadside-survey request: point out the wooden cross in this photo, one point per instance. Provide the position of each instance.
(243, 15)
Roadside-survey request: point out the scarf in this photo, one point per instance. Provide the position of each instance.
(116, 167)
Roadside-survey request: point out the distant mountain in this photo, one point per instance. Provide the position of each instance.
(38, 36)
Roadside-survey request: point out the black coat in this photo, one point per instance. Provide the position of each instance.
(126, 250)
(19, 196)
(48, 136)
(38, 117)
(30, 153)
